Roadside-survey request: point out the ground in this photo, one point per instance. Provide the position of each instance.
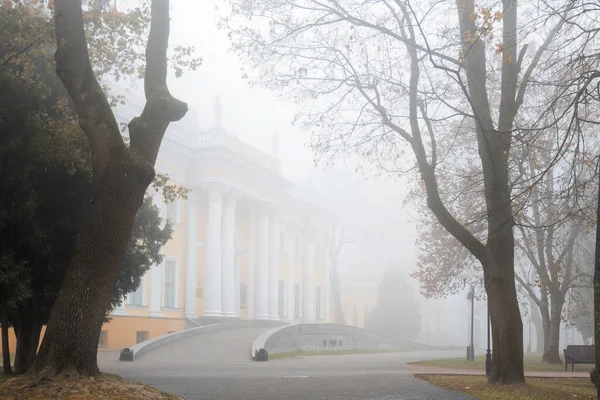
(107, 387)
(218, 366)
(534, 389)
(532, 363)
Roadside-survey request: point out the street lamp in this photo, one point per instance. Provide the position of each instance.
(471, 348)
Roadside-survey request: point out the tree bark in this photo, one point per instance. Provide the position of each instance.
(28, 337)
(536, 318)
(121, 178)
(5, 349)
(597, 294)
(551, 352)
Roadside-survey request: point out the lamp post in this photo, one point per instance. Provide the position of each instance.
(471, 347)
(488, 352)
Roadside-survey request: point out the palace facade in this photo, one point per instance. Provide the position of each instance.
(247, 243)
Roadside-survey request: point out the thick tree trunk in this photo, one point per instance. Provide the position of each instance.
(5, 349)
(551, 353)
(121, 177)
(507, 326)
(536, 318)
(340, 318)
(28, 337)
(70, 343)
(597, 295)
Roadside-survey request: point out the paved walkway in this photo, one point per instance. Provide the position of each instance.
(218, 366)
(432, 370)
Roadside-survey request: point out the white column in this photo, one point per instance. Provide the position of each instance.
(212, 304)
(237, 282)
(274, 267)
(228, 270)
(261, 275)
(191, 250)
(155, 302)
(308, 314)
(250, 288)
(291, 290)
(327, 289)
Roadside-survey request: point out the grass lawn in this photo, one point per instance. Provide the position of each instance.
(12, 357)
(108, 386)
(534, 389)
(532, 362)
(301, 353)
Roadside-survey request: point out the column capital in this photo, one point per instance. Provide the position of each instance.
(231, 197)
(216, 191)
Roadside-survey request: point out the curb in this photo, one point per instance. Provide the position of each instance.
(134, 352)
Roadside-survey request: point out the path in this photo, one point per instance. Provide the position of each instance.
(218, 366)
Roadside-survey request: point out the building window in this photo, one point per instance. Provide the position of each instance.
(103, 341)
(169, 290)
(281, 297)
(332, 342)
(172, 211)
(318, 303)
(135, 298)
(243, 295)
(297, 300)
(141, 336)
(282, 248)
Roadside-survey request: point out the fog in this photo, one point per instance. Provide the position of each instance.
(364, 180)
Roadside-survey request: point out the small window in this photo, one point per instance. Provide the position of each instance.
(169, 289)
(103, 342)
(135, 298)
(297, 300)
(332, 342)
(199, 290)
(141, 336)
(243, 295)
(340, 342)
(318, 301)
(324, 343)
(281, 298)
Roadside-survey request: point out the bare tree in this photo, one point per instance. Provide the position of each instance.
(121, 176)
(387, 85)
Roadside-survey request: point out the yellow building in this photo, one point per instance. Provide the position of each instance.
(246, 244)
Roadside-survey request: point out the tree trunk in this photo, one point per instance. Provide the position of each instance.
(597, 295)
(545, 312)
(121, 178)
(507, 326)
(536, 318)
(5, 349)
(28, 337)
(340, 318)
(70, 344)
(551, 354)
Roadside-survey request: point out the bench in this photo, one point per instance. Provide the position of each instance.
(578, 354)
